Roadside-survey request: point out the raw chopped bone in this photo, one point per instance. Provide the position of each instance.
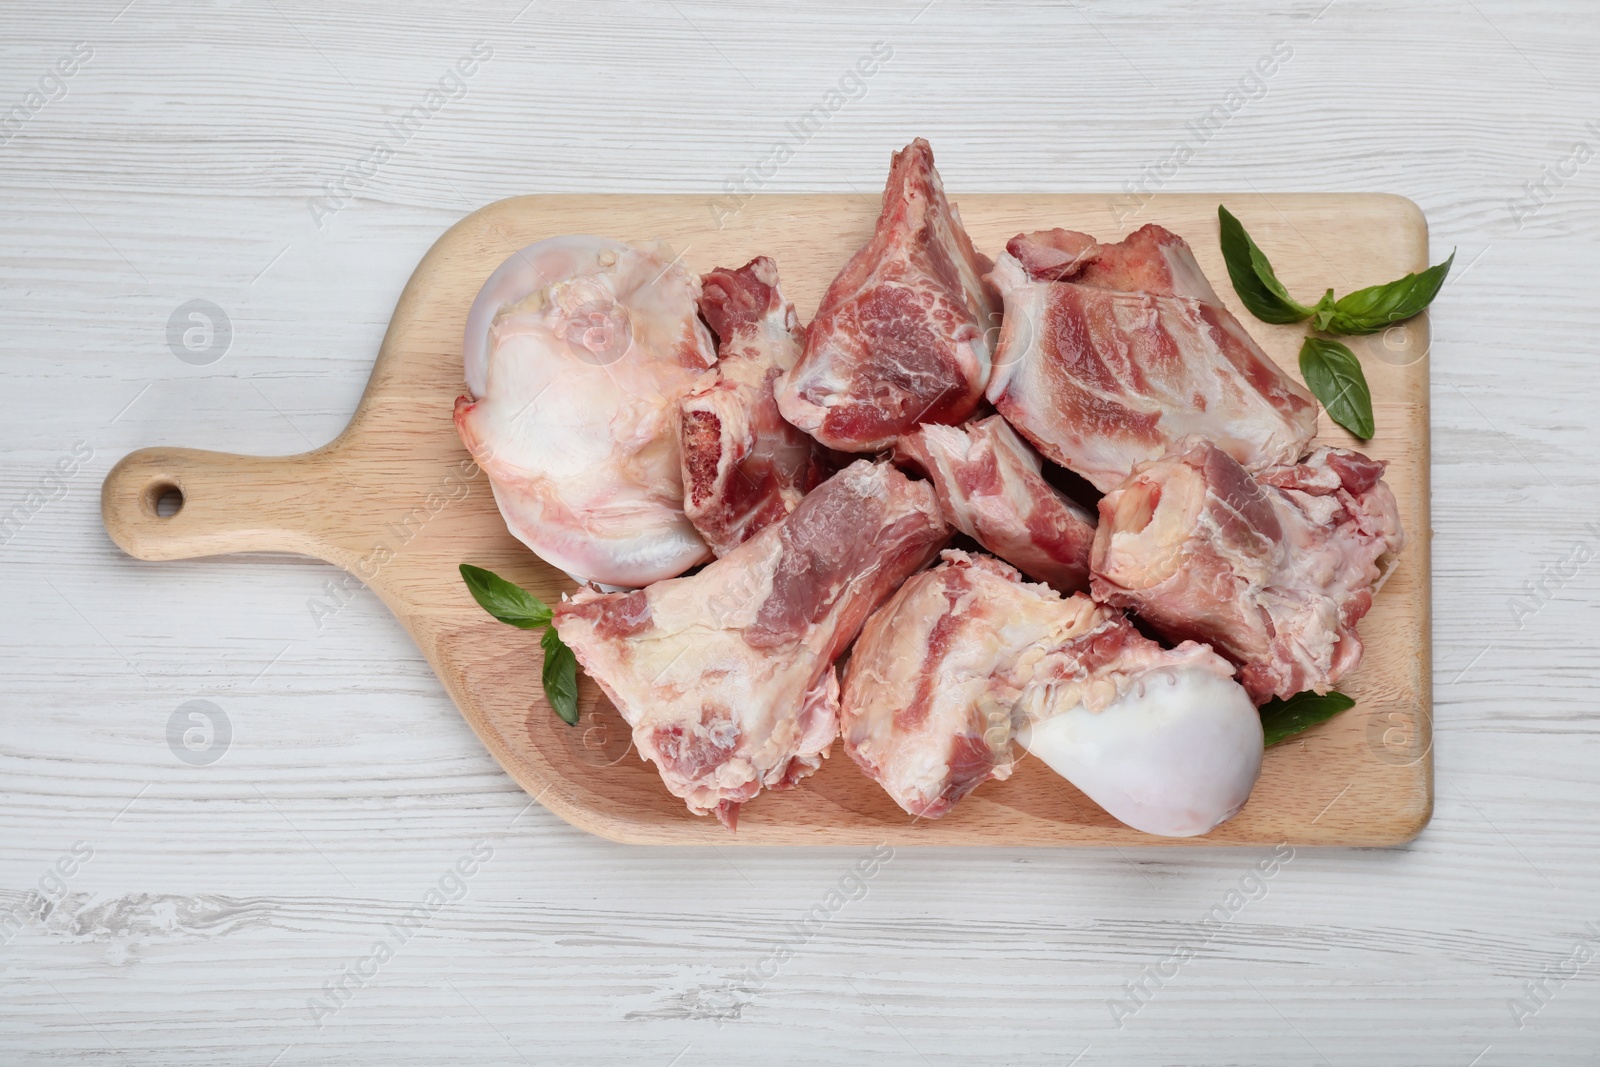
(967, 657)
(727, 676)
(577, 350)
(900, 337)
(991, 489)
(1274, 570)
(924, 712)
(744, 466)
(1108, 369)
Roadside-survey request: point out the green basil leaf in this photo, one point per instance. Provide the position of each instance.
(1253, 277)
(560, 676)
(1281, 719)
(1333, 374)
(507, 602)
(1380, 306)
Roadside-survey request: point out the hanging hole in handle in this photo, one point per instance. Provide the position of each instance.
(163, 499)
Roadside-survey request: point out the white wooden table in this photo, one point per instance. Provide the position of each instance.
(161, 911)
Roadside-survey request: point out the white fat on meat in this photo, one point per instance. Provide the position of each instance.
(576, 352)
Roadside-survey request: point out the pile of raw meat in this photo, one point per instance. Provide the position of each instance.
(637, 422)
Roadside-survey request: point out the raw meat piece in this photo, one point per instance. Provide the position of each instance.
(1100, 377)
(577, 350)
(744, 466)
(1273, 570)
(899, 338)
(727, 676)
(967, 657)
(922, 713)
(991, 489)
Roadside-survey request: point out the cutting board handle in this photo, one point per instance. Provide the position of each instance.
(229, 503)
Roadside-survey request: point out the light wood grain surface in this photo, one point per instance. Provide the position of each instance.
(396, 502)
(162, 910)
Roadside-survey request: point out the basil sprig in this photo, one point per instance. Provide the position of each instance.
(1334, 376)
(1363, 311)
(515, 606)
(1331, 370)
(1283, 718)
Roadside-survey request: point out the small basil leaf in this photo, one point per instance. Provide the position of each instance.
(1281, 719)
(1253, 278)
(507, 602)
(560, 676)
(1380, 306)
(1334, 376)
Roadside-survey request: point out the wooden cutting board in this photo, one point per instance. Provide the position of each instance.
(396, 501)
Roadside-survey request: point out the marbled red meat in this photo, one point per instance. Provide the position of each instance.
(900, 337)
